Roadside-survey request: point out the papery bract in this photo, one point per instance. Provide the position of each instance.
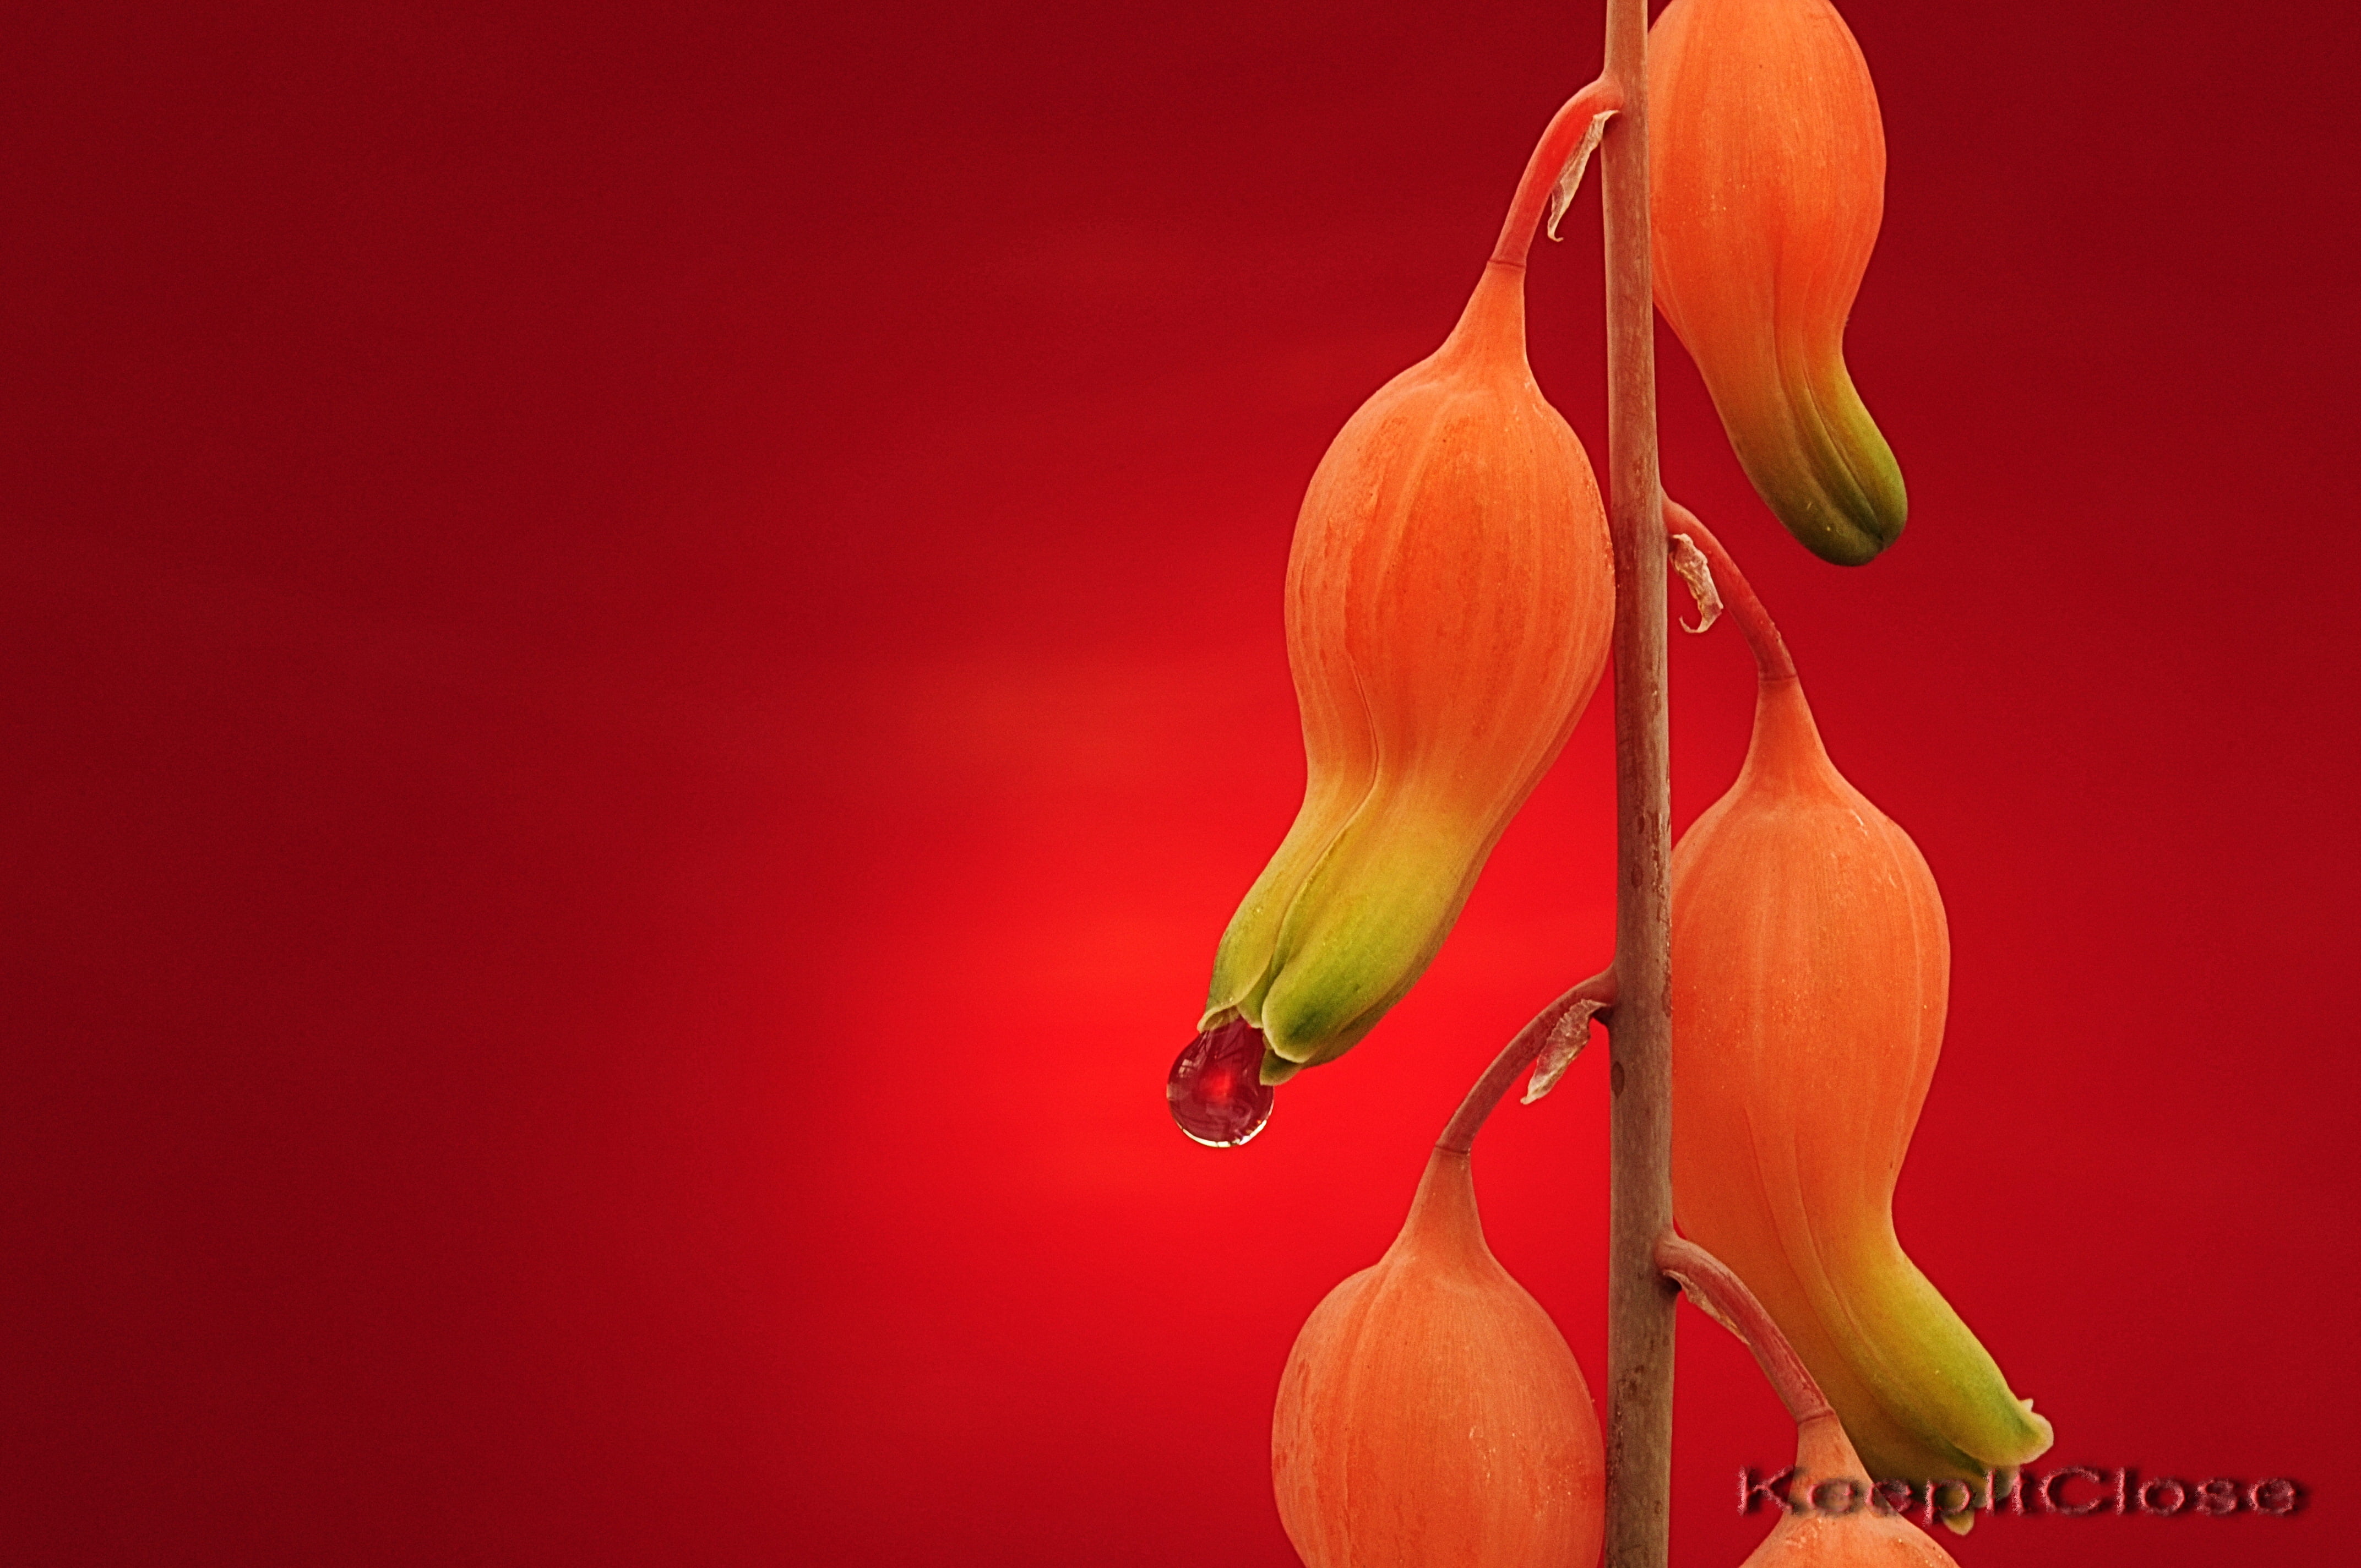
(1430, 1415)
(1766, 172)
(1449, 597)
(1811, 966)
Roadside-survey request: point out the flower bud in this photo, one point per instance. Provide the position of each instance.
(1811, 968)
(1431, 1412)
(1766, 173)
(1449, 597)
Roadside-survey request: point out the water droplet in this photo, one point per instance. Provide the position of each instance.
(1216, 1089)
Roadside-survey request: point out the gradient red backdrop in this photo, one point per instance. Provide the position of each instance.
(644, 656)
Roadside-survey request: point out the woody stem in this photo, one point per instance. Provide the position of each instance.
(1639, 1302)
(1755, 623)
(1724, 1298)
(1459, 1138)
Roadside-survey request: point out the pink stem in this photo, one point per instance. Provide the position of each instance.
(1459, 1138)
(1771, 656)
(1565, 132)
(1725, 1299)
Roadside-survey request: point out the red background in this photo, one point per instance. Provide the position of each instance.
(644, 657)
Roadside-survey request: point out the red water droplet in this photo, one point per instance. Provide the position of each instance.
(1216, 1089)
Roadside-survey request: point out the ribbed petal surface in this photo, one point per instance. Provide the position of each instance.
(1811, 966)
(1767, 178)
(1449, 598)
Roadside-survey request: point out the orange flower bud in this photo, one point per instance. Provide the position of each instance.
(1431, 1412)
(1449, 597)
(1811, 968)
(1766, 171)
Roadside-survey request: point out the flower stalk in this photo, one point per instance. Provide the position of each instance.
(1724, 1298)
(1824, 1524)
(1639, 1302)
(1570, 1013)
(1772, 660)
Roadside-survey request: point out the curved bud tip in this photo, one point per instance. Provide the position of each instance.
(1215, 1090)
(1827, 471)
(1766, 159)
